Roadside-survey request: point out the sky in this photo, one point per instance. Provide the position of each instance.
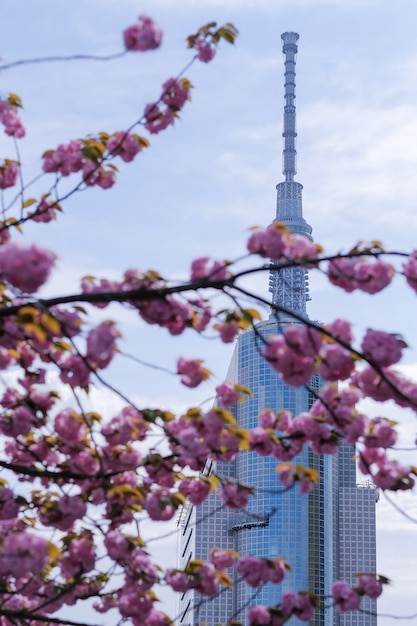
(206, 181)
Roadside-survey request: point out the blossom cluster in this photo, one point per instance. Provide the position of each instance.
(347, 598)
(205, 41)
(300, 605)
(159, 115)
(9, 172)
(143, 36)
(91, 157)
(9, 117)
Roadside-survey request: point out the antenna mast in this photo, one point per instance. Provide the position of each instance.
(289, 287)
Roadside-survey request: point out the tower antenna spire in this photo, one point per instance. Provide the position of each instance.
(289, 287)
(289, 49)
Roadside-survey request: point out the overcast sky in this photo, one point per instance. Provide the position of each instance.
(204, 182)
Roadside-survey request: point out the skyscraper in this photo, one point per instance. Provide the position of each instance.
(325, 536)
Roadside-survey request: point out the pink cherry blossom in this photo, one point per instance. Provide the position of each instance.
(157, 618)
(295, 369)
(286, 474)
(379, 434)
(66, 159)
(142, 36)
(159, 505)
(201, 268)
(71, 509)
(271, 242)
(259, 616)
(191, 372)
(260, 441)
(175, 93)
(345, 598)
(70, 427)
(221, 559)
(94, 174)
(9, 172)
(79, 558)
(298, 604)
(254, 571)
(207, 583)
(26, 269)
(373, 276)
(205, 50)
(128, 426)
(125, 145)
(372, 385)
(301, 247)
(178, 580)
(45, 212)
(9, 508)
(169, 312)
(228, 331)
(341, 272)
(367, 275)
(369, 585)
(101, 344)
(117, 545)
(235, 496)
(198, 491)
(227, 394)
(20, 422)
(342, 329)
(382, 348)
(11, 121)
(392, 475)
(74, 371)
(23, 553)
(336, 362)
(90, 285)
(276, 570)
(157, 119)
(410, 270)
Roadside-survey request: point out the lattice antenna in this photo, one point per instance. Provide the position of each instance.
(289, 287)
(289, 49)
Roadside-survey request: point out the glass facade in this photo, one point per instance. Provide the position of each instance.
(325, 536)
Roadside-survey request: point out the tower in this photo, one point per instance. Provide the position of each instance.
(330, 533)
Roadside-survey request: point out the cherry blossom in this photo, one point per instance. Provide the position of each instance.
(9, 173)
(191, 372)
(66, 159)
(235, 496)
(10, 119)
(227, 394)
(369, 585)
(157, 119)
(222, 559)
(175, 93)
(271, 242)
(26, 269)
(205, 50)
(410, 270)
(201, 268)
(382, 348)
(298, 604)
(124, 144)
(345, 598)
(101, 344)
(142, 36)
(259, 616)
